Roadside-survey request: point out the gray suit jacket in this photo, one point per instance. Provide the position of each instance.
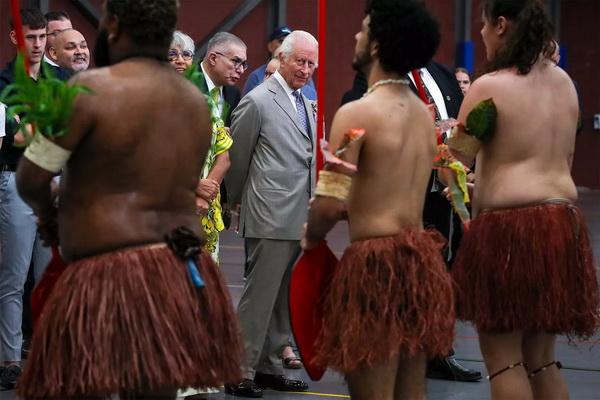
(272, 164)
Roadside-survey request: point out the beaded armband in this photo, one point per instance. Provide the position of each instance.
(333, 184)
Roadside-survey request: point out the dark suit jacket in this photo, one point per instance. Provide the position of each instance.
(231, 95)
(437, 211)
(448, 85)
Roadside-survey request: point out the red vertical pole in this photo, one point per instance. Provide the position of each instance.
(322, 17)
(16, 17)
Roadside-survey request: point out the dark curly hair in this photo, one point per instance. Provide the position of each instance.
(407, 34)
(528, 36)
(148, 22)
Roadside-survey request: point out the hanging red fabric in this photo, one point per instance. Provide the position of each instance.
(313, 270)
(18, 23)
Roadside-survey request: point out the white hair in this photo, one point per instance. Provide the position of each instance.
(183, 41)
(289, 43)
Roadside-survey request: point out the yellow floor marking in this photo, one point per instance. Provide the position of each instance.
(341, 396)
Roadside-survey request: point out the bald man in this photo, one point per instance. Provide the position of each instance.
(70, 50)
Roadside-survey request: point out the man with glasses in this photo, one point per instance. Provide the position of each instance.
(223, 65)
(272, 177)
(58, 21)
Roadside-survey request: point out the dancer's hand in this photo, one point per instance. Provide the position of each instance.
(306, 243)
(201, 206)
(48, 229)
(207, 189)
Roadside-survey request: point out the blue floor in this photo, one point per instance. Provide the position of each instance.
(581, 360)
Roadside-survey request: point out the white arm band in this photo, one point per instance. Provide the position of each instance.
(46, 154)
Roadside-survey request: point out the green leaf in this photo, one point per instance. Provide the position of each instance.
(46, 104)
(481, 121)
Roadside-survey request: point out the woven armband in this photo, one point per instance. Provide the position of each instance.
(462, 142)
(46, 154)
(333, 184)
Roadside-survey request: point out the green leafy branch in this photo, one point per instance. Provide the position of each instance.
(46, 105)
(194, 75)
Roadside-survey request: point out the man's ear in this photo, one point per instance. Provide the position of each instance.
(374, 48)
(53, 53)
(13, 37)
(501, 26)
(113, 28)
(212, 59)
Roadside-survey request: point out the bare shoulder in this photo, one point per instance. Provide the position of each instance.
(489, 83)
(353, 114)
(94, 79)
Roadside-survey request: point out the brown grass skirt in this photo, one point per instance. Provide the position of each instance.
(528, 269)
(388, 296)
(131, 320)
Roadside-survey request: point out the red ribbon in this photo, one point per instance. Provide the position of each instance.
(423, 96)
(18, 23)
(420, 85)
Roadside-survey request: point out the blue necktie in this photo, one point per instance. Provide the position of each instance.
(300, 111)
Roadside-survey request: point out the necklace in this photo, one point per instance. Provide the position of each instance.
(401, 81)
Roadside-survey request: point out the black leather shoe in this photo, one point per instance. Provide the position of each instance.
(449, 369)
(246, 388)
(280, 382)
(9, 376)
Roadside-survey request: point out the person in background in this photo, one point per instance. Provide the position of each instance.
(70, 51)
(463, 78)
(272, 178)
(181, 52)
(58, 21)
(257, 76)
(20, 243)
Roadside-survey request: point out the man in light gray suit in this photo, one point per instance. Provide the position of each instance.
(272, 176)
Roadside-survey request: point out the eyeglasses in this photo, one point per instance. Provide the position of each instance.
(236, 61)
(187, 55)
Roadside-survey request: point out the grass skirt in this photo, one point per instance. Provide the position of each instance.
(131, 321)
(529, 269)
(388, 296)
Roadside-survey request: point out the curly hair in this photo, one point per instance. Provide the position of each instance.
(528, 36)
(148, 22)
(407, 34)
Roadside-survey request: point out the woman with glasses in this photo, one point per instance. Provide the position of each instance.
(181, 52)
(208, 197)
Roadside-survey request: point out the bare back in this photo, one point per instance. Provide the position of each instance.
(144, 134)
(529, 157)
(394, 163)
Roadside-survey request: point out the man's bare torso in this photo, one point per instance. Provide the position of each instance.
(394, 164)
(132, 177)
(529, 157)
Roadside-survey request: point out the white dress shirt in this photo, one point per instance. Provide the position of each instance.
(210, 86)
(434, 90)
(287, 88)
